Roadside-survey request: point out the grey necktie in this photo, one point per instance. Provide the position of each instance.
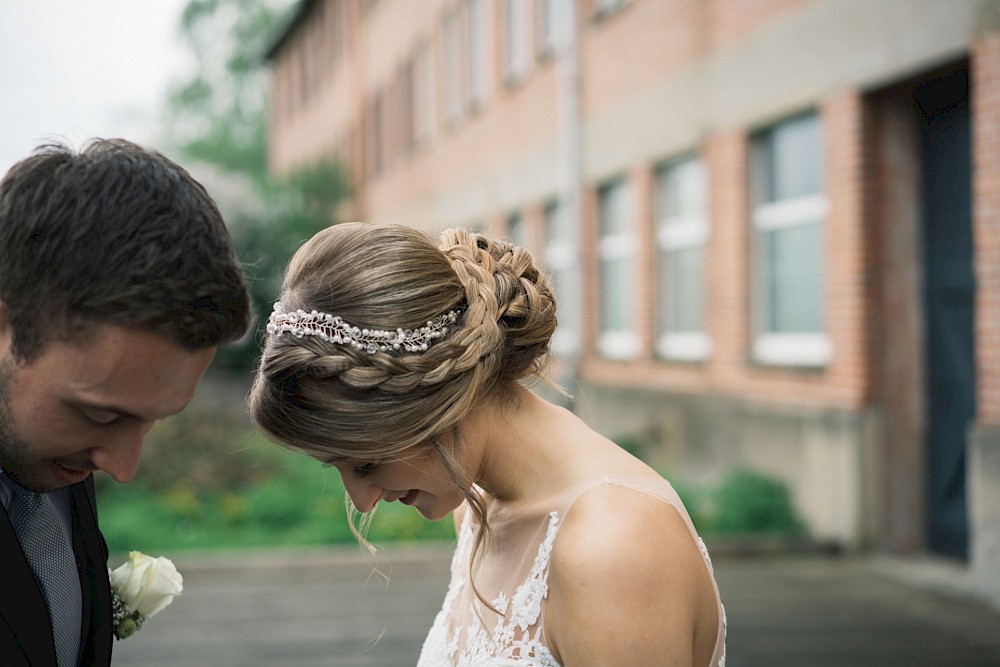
(50, 554)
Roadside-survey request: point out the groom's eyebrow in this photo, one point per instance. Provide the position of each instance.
(124, 412)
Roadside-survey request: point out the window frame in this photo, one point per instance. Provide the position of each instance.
(451, 53)
(561, 262)
(478, 35)
(770, 214)
(517, 40)
(606, 8)
(624, 343)
(550, 19)
(423, 95)
(684, 231)
(517, 229)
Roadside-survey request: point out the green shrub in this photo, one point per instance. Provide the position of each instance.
(695, 501)
(237, 491)
(398, 523)
(747, 502)
(210, 481)
(631, 444)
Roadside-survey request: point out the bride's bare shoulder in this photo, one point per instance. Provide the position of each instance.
(608, 517)
(620, 551)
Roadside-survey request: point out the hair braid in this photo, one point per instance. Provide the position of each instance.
(516, 317)
(387, 277)
(476, 269)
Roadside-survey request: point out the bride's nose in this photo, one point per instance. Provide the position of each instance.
(364, 495)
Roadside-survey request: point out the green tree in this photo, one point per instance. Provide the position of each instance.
(216, 118)
(217, 110)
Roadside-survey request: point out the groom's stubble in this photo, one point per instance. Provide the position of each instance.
(13, 450)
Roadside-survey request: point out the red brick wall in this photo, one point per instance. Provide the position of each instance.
(732, 20)
(621, 55)
(726, 156)
(846, 275)
(641, 180)
(730, 370)
(985, 78)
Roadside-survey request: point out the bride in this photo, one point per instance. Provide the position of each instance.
(402, 362)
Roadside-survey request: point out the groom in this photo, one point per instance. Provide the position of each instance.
(118, 280)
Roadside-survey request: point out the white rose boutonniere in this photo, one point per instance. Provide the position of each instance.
(141, 588)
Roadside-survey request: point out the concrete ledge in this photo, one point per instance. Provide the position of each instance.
(429, 554)
(938, 575)
(767, 546)
(983, 470)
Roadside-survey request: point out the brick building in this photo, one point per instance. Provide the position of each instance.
(773, 225)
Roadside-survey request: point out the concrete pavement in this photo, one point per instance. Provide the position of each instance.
(329, 607)
(832, 612)
(295, 609)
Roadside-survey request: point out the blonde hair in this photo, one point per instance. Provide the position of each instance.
(335, 402)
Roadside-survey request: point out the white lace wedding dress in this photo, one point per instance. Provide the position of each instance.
(513, 575)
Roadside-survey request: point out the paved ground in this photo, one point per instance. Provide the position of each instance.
(329, 608)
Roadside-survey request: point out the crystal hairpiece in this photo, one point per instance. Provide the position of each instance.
(333, 329)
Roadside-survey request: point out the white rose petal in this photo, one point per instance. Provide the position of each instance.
(145, 584)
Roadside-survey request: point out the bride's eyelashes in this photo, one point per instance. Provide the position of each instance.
(362, 471)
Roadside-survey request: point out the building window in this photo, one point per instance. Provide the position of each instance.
(479, 49)
(788, 220)
(551, 20)
(560, 262)
(423, 96)
(516, 231)
(618, 338)
(681, 235)
(405, 111)
(605, 7)
(337, 28)
(516, 15)
(303, 78)
(379, 150)
(452, 68)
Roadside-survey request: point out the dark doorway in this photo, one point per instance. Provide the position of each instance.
(949, 302)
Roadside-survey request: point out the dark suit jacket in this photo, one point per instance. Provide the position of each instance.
(25, 631)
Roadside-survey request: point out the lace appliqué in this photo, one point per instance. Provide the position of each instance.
(516, 639)
(722, 609)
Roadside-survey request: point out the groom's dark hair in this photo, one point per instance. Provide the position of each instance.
(114, 234)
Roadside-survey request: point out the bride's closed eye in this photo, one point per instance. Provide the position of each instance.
(361, 471)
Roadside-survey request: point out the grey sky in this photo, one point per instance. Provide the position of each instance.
(72, 69)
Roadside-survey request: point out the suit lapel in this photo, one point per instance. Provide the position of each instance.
(22, 607)
(92, 559)
(24, 619)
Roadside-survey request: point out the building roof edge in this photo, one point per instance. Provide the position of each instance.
(297, 17)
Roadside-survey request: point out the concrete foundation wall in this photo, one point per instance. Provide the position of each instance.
(817, 452)
(983, 469)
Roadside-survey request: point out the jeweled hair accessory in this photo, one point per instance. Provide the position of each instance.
(333, 329)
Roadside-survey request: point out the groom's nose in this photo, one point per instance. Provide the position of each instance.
(119, 453)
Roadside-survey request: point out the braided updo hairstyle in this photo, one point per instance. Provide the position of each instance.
(335, 402)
